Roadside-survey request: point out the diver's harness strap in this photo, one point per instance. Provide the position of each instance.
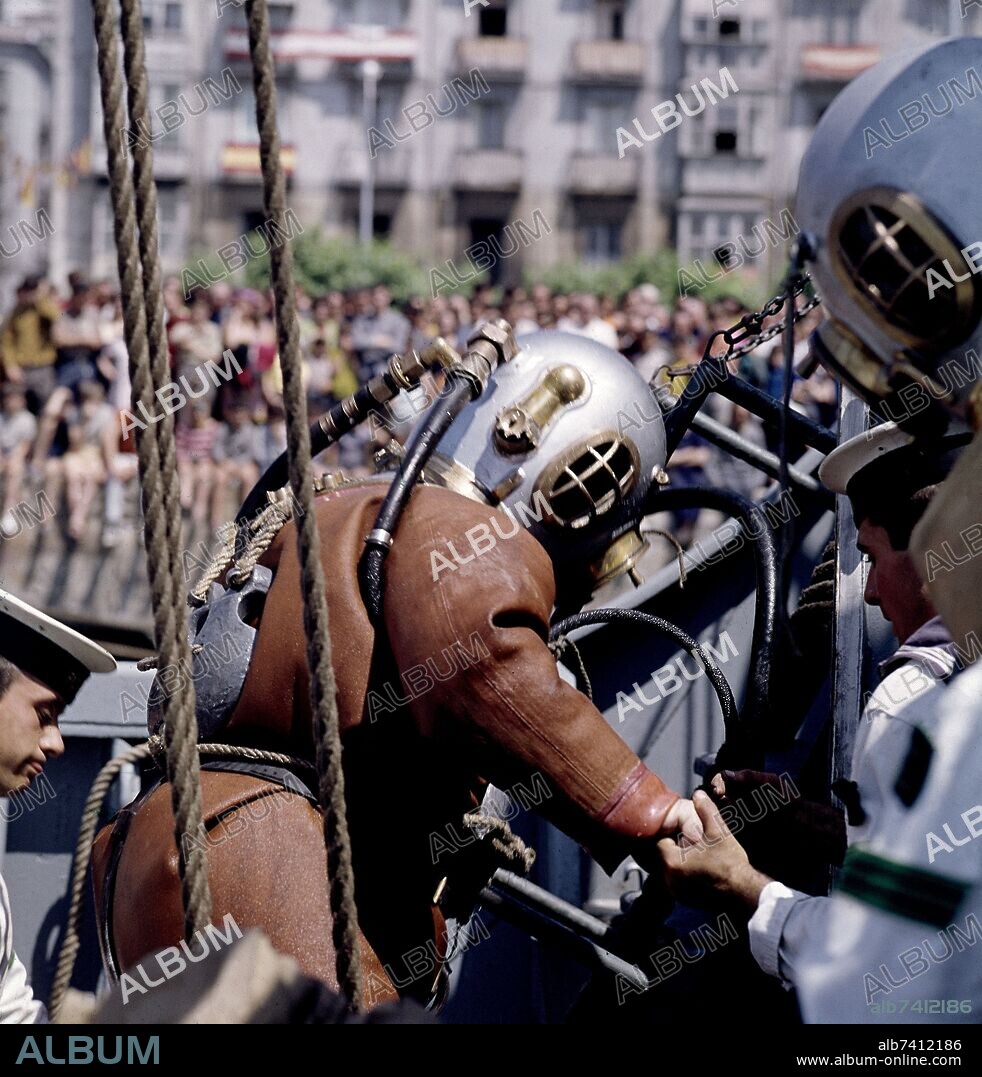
(276, 775)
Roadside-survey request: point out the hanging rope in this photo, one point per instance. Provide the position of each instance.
(138, 97)
(322, 685)
(136, 256)
(80, 869)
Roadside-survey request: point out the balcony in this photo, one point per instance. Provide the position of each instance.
(717, 175)
(498, 58)
(351, 46)
(488, 170)
(392, 166)
(608, 61)
(835, 63)
(240, 160)
(171, 160)
(603, 174)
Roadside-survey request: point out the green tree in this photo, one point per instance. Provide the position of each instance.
(321, 265)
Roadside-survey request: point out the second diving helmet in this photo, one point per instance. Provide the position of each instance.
(557, 443)
(889, 193)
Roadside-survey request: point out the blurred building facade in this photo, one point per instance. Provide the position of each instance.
(516, 105)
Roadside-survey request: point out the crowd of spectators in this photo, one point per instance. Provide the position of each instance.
(66, 422)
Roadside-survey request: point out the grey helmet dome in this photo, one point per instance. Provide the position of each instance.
(567, 439)
(889, 194)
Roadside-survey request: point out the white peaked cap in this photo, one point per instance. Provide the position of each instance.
(48, 650)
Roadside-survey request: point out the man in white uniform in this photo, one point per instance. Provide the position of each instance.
(890, 480)
(42, 666)
(895, 234)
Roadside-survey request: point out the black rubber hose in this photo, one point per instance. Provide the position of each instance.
(342, 418)
(638, 617)
(749, 729)
(275, 477)
(456, 395)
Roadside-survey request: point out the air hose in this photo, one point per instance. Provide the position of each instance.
(746, 738)
(638, 617)
(492, 343)
(402, 373)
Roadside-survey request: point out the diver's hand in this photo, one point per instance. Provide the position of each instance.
(713, 870)
(683, 818)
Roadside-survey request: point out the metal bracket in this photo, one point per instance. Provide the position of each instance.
(221, 642)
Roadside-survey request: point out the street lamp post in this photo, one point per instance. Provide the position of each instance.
(370, 71)
(954, 18)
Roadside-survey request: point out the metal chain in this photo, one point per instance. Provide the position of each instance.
(745, 336)
(739, 343)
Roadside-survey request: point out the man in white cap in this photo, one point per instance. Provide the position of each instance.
(42, 666)
(890, 481)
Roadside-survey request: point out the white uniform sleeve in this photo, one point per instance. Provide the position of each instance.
(783, 922)
(17, 1003)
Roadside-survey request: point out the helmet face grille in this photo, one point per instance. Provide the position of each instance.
(885, 245)
(590, 481)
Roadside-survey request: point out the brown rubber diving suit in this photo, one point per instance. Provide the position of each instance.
(487, 705)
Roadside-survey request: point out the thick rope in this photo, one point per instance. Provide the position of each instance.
(512, 851)
(267, 525)
(80, 869)
(155, 745)
(138, 97)
(182, 732)
(327, 735)
(161, 525)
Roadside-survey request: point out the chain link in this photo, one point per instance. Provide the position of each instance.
(746, 335)
(769, 334)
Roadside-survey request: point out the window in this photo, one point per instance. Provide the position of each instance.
(729, 29)
(842, 23)
(484, 230)
(493, 22)
(727, 121)
(390, 13)
(389, 103)
(170, 213)
(280, 17)
(163, 15)
(602, 241)
(3, 128)
(604, 112)
(933, 15)
(382, 225)
(736, 128)
(172, 226)
(756, 142)
(169, 93)
(611, 15)
(700, 29)
(241, 126)
(711, 237)
(491, 125)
